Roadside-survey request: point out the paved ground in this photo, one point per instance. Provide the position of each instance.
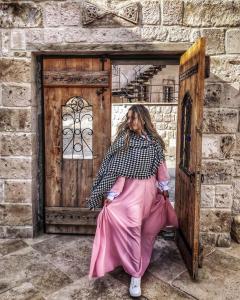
(55, 267)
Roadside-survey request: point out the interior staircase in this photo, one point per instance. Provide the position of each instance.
(137, 90)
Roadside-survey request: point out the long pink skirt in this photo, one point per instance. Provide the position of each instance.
(127, 228)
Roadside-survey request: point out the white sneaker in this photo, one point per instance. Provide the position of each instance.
(135, 287)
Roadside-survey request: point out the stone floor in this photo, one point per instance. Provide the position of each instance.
(55, 267)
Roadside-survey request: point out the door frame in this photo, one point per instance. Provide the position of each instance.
(167, 57)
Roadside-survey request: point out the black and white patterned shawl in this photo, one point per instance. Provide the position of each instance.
(140, 160)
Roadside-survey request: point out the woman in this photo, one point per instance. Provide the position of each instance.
(133, 182)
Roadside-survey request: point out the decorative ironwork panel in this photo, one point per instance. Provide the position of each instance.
(186, 133)
(77, 129)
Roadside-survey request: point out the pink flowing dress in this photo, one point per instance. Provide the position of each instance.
(127, 227)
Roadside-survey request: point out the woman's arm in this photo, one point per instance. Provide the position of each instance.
(163, 178)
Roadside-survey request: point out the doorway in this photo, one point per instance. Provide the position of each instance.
(78, 85)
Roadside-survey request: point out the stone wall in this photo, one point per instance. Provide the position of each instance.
(30, 27)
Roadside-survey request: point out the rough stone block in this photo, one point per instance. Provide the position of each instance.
(172, 12)
(236, 188)
(34, 36)
(15, 119)
(16, 14)
(51, 14)
(222, 120)
(16, 95)
(17, 191)
(15, 70)
(235, 230)
(224, 240)
(76, 35)
(215, 220)
(70, 13)
(236, 167)
(1, 191)
(15, 143)
(217, 172)
(215, 40)
(15, 168)
(227, 144)
(223, 198)
(236, 152)
(18, 39)
(101, 35)
(151, 12)
(179, 34)
(233, 41)
(151, 33)
(210, 146)
(15, 214)
(212, 94)
(232, 95)
(14, 232)
(225, 67)
(53, 36)
(208, 238)
(236, 206)
(207, 195)
(211, 13)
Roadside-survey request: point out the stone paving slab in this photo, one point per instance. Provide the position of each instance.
(218, 279)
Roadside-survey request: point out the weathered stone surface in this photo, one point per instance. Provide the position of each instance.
(16, 95)
(1, 192)
(70, 13)
(17, 191)
(15, 214)
(15, 168)
(217, 172)
(51, 14)
(151, 12)
(18, 40)
(53, 36)
(172, 12)
(17, 14)
(223, 196)
(232, 95)
(15, 119)
(13, 232)
(236, 152)
(101, 35)
(151, 33)
(207, 195)
(34, 36)
(215, 40)
(223, 240)
(77, 35)
(212, 94)
(227, 143)
(235, 230)
(236, 206)
(208, 238)
(233, 41)
(210, 146)
(220, 120)
(211, 13)
(15, 144)
(15, 70)
(11, 245)
(236, 167)
(236, 188)
(215, 220)
(226, 67)
(177, 34)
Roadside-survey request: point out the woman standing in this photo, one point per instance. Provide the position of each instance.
(133, 182)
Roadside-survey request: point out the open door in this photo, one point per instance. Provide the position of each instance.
(189, 153)
(77, 134)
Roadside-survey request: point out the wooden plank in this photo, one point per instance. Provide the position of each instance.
(76, 78)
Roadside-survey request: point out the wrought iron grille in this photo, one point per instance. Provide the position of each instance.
(77, 129)
(186, 133)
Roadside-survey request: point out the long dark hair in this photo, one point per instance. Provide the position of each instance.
(146, 122)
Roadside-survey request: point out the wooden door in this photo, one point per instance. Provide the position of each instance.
(77, 127)
(188, 160)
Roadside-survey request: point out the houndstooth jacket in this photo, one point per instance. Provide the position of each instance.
(140, 160)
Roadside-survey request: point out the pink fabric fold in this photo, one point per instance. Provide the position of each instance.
(127, 227)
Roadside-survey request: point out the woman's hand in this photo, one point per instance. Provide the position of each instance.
(107, 202)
